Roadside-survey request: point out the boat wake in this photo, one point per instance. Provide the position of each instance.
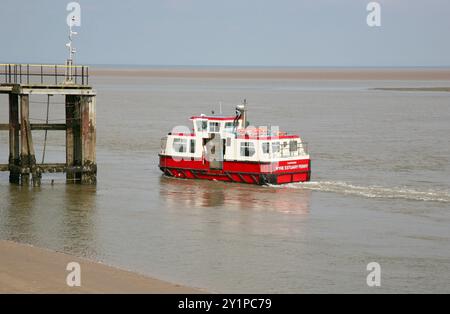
(373, 191)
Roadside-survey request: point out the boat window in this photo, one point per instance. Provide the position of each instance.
(163, 143)
(179, 145)
(266, 147)
(275, 147)
(247, 149)
(192, 147)
(202, 125)
(229, 126)
(214, 127)
(293, 146)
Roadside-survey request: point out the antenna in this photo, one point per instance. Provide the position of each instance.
(220, 107)
(69, 61)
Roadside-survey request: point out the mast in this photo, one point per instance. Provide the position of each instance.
(69, 61)
(242, 110)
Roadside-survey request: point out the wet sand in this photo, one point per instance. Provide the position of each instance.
(424, 74)
(27, 269)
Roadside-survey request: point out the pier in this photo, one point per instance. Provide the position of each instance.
(23, 81)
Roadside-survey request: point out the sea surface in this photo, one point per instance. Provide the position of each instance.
(380, 189)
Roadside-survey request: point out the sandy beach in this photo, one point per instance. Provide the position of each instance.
(422, 74)
(27, 269)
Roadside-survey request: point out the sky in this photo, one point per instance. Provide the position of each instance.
(307, 33)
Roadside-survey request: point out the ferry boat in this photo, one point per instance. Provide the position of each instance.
(226, 148)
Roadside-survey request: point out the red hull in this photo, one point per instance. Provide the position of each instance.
(239, 171)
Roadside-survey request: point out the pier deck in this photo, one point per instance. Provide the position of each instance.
(21, 82)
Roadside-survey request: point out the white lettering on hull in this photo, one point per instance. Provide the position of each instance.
(291, 167)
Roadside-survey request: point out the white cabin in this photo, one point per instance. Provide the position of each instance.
(212, 134)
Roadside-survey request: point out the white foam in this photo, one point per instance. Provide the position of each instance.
(373, 191)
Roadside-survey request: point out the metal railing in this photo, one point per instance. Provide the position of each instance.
(44, 74)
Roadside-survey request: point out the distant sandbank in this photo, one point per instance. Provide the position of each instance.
(425, 74)
(415, 89)
(27, 269)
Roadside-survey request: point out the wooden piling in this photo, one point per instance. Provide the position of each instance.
(88, 140)
(70, 118)
(14, 143)
(24, 156)
(27, 155)
(81, 139)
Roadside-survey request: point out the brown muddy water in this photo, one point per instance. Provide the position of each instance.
(380, 189)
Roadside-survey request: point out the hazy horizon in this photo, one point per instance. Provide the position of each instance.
(231, 66)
